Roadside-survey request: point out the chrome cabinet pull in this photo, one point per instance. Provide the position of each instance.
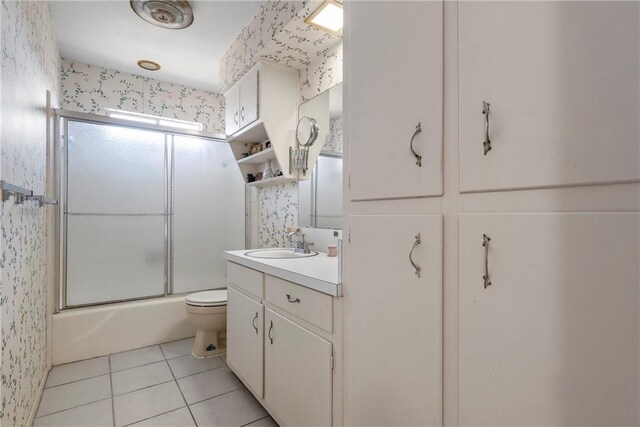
(253, 323)
(416, 243)
(270, 328)
(485, 243)
(416, 155)
(293, 300)
(242, 113)
(487, 139)
(235, 117)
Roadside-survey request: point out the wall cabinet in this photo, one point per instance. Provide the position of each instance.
(399, 86)
(263, 107)
(298, 373)
(554, 339)
(393, 321)
(279, 346)
(245, 339)
(562, 82)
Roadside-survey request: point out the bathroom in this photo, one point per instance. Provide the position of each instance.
(320, 212)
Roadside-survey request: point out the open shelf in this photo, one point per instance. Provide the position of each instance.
(261, 157)
(270, 181)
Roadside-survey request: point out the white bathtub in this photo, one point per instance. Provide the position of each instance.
(96, 331)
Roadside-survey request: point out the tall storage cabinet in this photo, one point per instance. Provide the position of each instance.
(393, 277)
(527, 311)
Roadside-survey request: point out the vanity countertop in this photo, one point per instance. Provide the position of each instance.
(318, 272)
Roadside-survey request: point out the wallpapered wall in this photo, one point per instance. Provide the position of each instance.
(91, 89)
(30, 66)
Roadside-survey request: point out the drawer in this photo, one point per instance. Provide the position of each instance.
(312, 306)
(247, 279)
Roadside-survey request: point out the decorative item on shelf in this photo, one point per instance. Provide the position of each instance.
(267, 144)
(332, 251)
(268, 171)
(256, 148)
(279, 172)
(246, 154)
(259, 176)
(250, 177)
(306, 135)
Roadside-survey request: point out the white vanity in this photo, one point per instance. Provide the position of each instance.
(284, 335)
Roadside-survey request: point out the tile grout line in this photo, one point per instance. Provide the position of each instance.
(74, 407)
(148, 418)
(255, 421)
(76, 381)
(179, 389)
(113, 403)
(218, 395)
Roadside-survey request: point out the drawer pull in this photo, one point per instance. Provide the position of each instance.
(485, 243)
(270, 328)
(293, 300)
(416, 243)
(487, 140)
(416, 155)
(253, 323)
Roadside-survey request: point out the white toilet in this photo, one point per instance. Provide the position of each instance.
(207, 311)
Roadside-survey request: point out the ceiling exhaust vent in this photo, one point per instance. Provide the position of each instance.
(171, 14)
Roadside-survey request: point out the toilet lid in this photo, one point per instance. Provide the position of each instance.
(208, 298)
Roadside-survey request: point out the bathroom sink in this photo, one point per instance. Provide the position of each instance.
(278, 253)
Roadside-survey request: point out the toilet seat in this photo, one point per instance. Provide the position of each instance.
(213, 298)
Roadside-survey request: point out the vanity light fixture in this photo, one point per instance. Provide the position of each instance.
(145, 64)
(328, 17)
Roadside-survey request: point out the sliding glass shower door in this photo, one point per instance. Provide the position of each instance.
(146, 213)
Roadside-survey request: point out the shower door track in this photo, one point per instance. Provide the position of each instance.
(62, 117)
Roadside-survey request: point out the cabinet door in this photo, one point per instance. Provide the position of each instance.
(554, 339)
(394, 69)
(298, 373)
(393, 321)
(562, 82)
(249, 98)
(245, 334)
(232, 110)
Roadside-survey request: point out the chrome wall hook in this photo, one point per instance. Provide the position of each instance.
(486, 110)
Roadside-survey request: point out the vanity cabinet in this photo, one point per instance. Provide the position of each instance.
(284, 342)
(393, 321)
(562, 82)
(398, 87)
(554, 339)
(245, 339)
(298, 373)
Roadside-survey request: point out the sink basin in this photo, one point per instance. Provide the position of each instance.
(278, 253)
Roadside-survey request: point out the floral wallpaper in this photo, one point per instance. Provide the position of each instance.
(278, 209)
(30, 64)
(334, 139)
(91, 89)
(322, 74)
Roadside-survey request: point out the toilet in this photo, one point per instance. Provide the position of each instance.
(207, 311)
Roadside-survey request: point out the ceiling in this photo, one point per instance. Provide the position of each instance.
(109, 34)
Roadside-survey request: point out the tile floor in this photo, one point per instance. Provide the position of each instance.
(161, 385)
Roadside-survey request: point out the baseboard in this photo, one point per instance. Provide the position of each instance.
(36, 402)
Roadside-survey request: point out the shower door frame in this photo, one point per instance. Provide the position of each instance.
(62, 118)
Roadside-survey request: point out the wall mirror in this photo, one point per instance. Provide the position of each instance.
(320, 197)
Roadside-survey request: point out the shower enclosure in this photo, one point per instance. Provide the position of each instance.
(145, 211)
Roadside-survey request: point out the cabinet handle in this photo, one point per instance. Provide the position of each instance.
(235, 117)
(416, 243)
(270, 328)
(293, 300)
(487, 140)
(485, 243)
(253, 323)
(416, 155)
(242, 113)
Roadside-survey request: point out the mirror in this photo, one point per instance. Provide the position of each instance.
(307, 131)
(320, 197)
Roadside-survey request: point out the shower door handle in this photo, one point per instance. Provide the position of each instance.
(253, 323)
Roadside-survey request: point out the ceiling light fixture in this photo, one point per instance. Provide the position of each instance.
(328, 17)
(171, 14)
(145, 64)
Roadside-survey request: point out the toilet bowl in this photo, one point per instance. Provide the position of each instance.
(207, 311)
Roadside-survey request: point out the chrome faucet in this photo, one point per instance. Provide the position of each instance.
(301, 244)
